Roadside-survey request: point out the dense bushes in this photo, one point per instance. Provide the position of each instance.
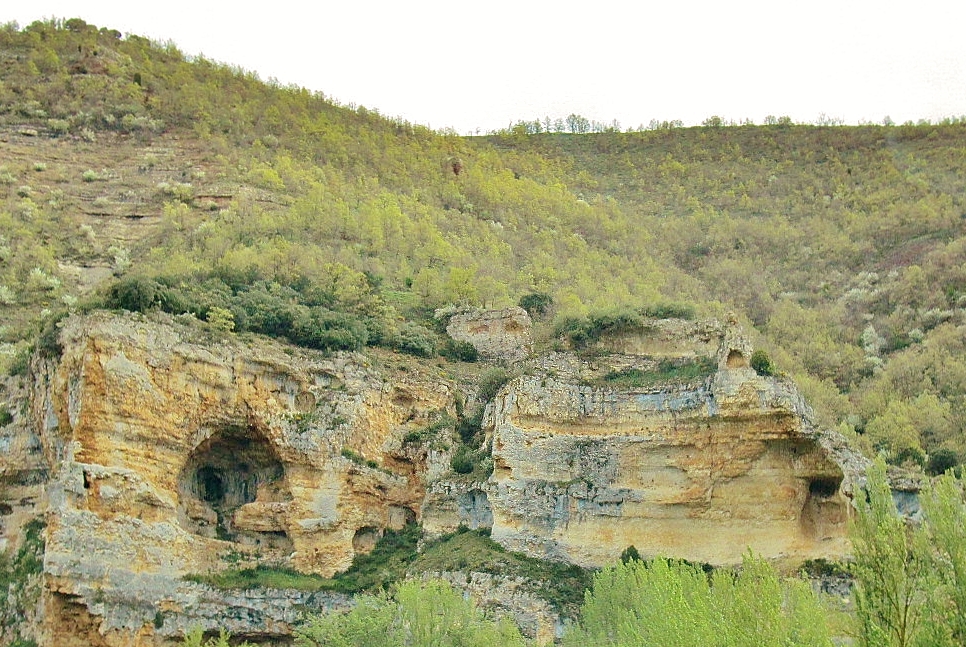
(585, 331)
(419, 614)
(668, 603)
(264, 307)
(536, 304)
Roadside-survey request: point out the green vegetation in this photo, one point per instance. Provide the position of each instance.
(560, 584)
(491, 382)
(394, 558)
(668, 603)
(359, 459)
(910, 581)
(418, 614)
(196, 638)
(668, 371)
(537, 304)
(441, 427)
(336, 228)
(762, 363)
(19, 582)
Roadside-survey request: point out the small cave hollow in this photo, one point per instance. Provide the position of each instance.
(824, 514)
(823, 488)
(736, 359)
(233, 487)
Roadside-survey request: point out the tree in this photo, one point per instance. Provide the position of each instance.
(666, 603)
(422, 614)
(578, 124)
(891, 567)
(714, 121)
(945, 513)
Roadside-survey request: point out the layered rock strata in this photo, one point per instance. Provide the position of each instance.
(173, 452)
(155, 448)
(704, 467)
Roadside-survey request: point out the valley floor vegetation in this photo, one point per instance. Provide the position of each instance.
(661, 603)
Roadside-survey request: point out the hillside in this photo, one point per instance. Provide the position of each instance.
(305, 275)
(842, 246)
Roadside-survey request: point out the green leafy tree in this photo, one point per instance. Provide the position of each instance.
(420, 614)
(664, 603)
(892, 570)
(945, 513)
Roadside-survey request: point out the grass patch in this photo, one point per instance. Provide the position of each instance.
(395, 557)
(562, 585)
(667, 372)
(377, 570)
(359, 459)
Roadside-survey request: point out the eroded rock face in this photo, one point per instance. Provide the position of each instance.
(173, 454)
(701, 467)
(502, 335)
(155, 450)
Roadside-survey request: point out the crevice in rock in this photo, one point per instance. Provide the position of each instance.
(233, 487)
(475, 510)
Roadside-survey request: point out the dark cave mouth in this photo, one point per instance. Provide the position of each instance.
(824, 488)
(235, 467)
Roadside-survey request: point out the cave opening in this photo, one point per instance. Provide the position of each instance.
(737, 359)
(211, 485)
(824, 488)
(233, 487)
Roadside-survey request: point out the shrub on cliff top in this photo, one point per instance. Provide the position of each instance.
(536, 303)
(762, 363)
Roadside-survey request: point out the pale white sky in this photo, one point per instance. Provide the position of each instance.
(469, 65)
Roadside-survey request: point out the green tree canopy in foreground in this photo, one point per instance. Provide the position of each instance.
(910, 581)
(423, 614)
(664, 603)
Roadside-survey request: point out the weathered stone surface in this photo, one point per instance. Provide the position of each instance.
(155, 449)
(502, 335)
(702, 470)
(173, 454)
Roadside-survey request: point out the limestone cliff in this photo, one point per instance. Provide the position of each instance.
(155, 447)
(702, 467)
(173, 452)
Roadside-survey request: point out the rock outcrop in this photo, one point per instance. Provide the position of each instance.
(156, 448)
(703, 465)
(501, 335)
(172, 452)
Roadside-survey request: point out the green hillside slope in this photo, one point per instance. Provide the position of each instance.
(194, 186)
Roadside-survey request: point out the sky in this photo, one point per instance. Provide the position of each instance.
(479, 66)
